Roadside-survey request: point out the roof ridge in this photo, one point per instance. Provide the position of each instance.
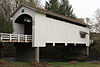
(48, 12)
(53, 13)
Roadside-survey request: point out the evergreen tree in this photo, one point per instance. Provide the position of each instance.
(66, 9)
(52, 5)
(63, 7)
(5, 26)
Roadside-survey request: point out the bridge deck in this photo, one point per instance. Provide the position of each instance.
(6, 37)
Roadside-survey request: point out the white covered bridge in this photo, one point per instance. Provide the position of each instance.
(39, 27)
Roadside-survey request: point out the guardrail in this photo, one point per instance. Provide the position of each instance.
(6, 37)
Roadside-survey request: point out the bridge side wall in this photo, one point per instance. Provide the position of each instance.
(49, 30)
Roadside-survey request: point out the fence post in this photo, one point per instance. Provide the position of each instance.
(25, 38)
(18, 37)
(0, 37)
(10, 37)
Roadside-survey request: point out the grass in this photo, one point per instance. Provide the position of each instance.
(80, 64)
(4, 63)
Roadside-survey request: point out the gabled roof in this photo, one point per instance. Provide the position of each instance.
(47, 12)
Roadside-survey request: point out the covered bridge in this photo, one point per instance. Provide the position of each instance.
(35, 28)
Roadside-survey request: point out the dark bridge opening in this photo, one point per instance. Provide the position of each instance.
(27, 21)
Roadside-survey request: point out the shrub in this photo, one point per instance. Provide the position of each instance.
(34, 64)
(3, 62)
(95, 51)
(73, 62)
(95, 62)
(82, 58)
(58, 66)
(45, 64)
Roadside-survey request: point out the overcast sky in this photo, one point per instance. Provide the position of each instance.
(83, 8)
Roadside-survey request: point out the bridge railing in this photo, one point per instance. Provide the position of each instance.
(6, 37)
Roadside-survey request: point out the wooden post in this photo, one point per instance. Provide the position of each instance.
(1, 37)
(25, 38)
(53, 44)
(66, 44)
(18, 38)
(10, 37)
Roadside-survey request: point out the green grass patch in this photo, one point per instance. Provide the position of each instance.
(79, 64)
(4, 63)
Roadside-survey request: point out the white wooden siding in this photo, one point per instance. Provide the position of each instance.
(48, 30)
(19, 28)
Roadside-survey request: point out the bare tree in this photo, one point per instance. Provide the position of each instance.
(5, 12)
(35, 3)
(8, 6)
(6, 9)
(97, 15)
(97, 20)
(94, 22)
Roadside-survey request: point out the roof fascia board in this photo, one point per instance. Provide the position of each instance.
(45, 12)
(22, 5)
